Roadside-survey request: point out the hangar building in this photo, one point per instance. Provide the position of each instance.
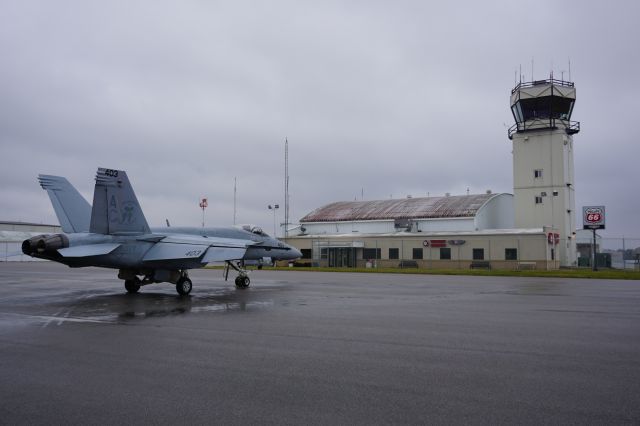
(434, 232)
(533, 228)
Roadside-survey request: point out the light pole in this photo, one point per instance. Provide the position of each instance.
(203, 205)
(274, 208)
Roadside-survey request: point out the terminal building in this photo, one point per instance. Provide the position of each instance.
(533, 228)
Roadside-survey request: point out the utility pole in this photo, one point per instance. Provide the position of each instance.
(286, 188)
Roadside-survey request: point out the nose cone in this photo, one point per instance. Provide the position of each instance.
(295, 253)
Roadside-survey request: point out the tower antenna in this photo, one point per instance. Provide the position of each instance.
(532, 79)
(570, 69)
(286, 188)
(235, 191)
(520, 73)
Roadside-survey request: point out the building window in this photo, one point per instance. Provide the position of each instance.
(543, 194)
(538, 199)
(323, 253)
(445, 253)
(478, 254)
(555, 193)
(371, 253)
(537, 174)
(510, 254)
(306, 253)
(417, 253)
(394, 253)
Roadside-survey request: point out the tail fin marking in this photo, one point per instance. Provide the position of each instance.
(115, 207)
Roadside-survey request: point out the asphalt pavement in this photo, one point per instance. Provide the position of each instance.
(316, 348)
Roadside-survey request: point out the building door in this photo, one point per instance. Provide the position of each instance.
(341, 257)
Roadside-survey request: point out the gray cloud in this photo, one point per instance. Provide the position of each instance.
(396, 99)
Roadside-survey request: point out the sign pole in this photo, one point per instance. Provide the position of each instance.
(593, 218)
(595, 267)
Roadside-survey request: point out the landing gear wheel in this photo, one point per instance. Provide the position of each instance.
(183, 286)
(132, 286)
(242, 282)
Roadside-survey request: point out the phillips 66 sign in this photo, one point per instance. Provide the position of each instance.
(593, 217)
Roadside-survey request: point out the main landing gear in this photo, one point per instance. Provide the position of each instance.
(132, 285)
(184, 284)
(180, 278)
(242, 280)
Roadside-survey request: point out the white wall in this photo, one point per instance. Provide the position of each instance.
(552, 152)
(497, 213)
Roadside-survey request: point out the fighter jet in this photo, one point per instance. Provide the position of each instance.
(74, 215)
(116, 235)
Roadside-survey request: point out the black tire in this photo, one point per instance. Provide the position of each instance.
(183, 286)
(242, 282)
(132, 286)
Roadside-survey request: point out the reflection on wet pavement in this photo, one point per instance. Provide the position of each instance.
(99, 306)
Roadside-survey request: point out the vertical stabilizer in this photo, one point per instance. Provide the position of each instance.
(72, 210)
(115, 206)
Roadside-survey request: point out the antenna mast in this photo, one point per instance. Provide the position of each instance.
(286, 188)
(235, 186)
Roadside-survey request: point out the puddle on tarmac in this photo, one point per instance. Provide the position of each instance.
(102, 307)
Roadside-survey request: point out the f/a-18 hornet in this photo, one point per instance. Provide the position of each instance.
(114, 234)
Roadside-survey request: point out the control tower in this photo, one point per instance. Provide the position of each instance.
(543, 178)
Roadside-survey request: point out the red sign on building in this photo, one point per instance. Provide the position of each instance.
(438, 243)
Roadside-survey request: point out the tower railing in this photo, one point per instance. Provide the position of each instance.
(571, 127)
(553, 81)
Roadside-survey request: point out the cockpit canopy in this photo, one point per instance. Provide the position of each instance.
(253, 229)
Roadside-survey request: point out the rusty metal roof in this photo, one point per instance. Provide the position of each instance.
(407, 208)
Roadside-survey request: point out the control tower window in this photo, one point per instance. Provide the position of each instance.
(537, 174)
(544, 107)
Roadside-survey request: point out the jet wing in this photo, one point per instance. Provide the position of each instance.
(196, 247)
(171, 251)
(88, 250)
(208, 241)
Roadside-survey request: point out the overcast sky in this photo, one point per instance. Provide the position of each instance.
(388, 99)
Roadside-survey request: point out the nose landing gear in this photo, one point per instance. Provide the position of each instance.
(242, 280)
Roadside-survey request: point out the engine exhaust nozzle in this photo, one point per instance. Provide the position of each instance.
(44, 245)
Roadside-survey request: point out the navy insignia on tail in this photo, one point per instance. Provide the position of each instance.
(115, 207)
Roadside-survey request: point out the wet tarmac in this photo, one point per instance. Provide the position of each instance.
(316, 348)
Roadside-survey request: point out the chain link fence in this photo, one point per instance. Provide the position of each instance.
(11, 251)
(616, 253)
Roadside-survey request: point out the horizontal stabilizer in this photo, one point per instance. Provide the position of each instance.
(221, 254)
(169, 251)
(88, 250)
